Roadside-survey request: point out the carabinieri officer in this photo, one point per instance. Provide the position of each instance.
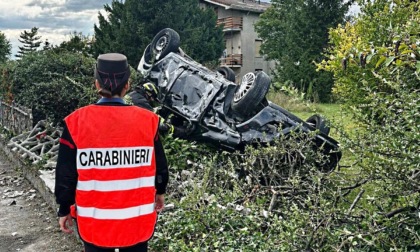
(111, 168)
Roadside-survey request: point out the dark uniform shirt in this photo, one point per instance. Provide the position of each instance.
(139, 99)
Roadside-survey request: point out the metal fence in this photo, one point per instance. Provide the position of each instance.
(14, 118)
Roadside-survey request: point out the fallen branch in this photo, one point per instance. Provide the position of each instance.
(415, 175)
(397, 223)
(273, 201)
(356, 200)
(308, 245)
(73, 81)
(357, 184)
(400, 210)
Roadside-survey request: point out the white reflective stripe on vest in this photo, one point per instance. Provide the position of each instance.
(115, 214)
(115, 185)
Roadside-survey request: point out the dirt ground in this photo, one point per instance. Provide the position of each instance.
(27, 223)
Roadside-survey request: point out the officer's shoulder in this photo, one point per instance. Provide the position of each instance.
(144, 110)
(79, 110)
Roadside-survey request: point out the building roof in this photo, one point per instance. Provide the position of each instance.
(243, 5)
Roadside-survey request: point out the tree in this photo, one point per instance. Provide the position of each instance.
(78, 43)
(30, 40)
(295, 34)
(50, 79)
(5, 48)
(376, 65)
(47, 45)
(131, 25)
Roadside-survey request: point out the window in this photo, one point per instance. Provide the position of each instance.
(258, 43)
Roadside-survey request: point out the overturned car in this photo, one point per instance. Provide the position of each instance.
(214, 109)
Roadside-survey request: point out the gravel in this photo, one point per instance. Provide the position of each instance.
(27, 223)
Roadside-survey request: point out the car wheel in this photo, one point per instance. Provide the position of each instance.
(251, 91)
(227, 72)
(166, 41)
(146, 61)
(319, 123)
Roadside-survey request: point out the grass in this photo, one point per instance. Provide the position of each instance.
(339, 120)
(304, 109)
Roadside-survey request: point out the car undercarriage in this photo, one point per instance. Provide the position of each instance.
(217, 111)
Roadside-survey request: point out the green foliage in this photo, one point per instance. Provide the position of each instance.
(180, 152)
(51, 84)
(5, 48)
(47, 45)
(131, 26)
(78, 43)
(289, 98)
(375, 62)
(30, 40)
(265, 199)
(364, 63)
(5, 80)
(6, 134)
(295, 33)
(276, 199)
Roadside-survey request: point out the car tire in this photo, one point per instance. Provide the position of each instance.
(165, 42)
(319, 123)
(251, 91)
(227, 72)
(145, 61)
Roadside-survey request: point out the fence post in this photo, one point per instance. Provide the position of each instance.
(15, 118)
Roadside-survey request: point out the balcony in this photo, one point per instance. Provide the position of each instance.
(230, 23)
(232, 60)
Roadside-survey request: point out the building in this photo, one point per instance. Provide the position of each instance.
(242, 42)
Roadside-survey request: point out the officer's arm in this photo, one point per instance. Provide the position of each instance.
(138, 99)
(66, 173)
(166, 127)
(162, 175)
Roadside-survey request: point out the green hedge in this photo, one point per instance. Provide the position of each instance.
(51, 83)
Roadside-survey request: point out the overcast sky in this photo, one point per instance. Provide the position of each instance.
(56, 19)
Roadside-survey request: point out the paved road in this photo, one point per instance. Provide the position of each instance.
(27, 223)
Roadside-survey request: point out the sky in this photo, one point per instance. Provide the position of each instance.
(56, 19)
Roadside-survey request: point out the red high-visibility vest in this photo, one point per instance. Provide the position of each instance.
(115, 193)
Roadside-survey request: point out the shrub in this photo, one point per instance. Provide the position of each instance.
(52, 84)
(276, 199)
(265, 199)
(289, 98)
(376, 64)
(5, 80)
